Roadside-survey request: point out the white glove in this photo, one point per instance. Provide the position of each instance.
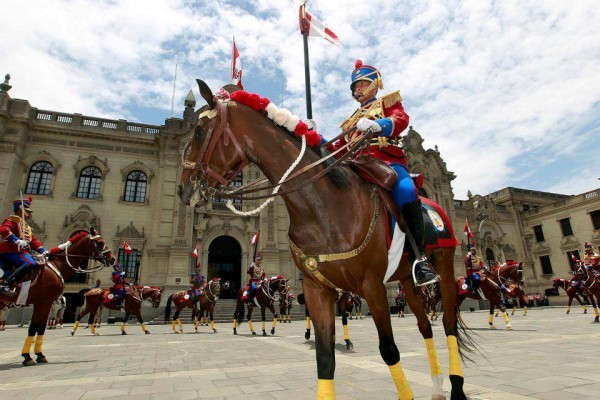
(46, 253)
(311, 123)
(364, 124)
(65, 245)
(22, 243)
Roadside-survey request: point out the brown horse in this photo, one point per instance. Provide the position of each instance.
(509, 278)
(47, 285)
(333, 245)
(265, 297)
(207, 301)
(95, 302)
(571, 290)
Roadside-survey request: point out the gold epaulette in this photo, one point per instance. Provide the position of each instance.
(14, 218)
(392, 98)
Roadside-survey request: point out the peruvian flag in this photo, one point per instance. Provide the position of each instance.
(195, 252)
(254, 239)
(314, 27)
(236, 67)
(468, 232)
(127, 248)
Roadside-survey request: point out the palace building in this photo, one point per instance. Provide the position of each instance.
(121, 177)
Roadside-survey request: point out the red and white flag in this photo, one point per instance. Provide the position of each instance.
(126, 248)
(468, 232)
(236, 67)
(195, 252)
(254, 239)
(314, 27)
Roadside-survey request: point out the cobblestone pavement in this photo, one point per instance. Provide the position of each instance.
(548, 355)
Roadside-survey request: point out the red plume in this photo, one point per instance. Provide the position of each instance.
(358, 64)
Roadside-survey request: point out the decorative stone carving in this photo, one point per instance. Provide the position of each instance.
(38, 231)
(541, 249)
(82, 219)
(130, 231)
(570, 243)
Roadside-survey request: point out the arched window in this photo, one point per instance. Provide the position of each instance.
(489, 256)
(89, 183)
(135, 187)
(40, 177)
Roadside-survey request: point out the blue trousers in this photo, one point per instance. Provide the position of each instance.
(17, 260)
(404, 191)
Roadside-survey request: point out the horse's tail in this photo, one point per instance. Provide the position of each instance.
(465, 338)
(81, 296)
(168, 308)
(238, 314)
(300, 298)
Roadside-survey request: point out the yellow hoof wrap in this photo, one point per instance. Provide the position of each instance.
(584, 308)
(122, 326)
(93, 329)
(39, 340)
(235, 324)
(403, 390)
(274, 323)
(307, 322)
(454, 357)
(346, 335)
(525, 310)
(434, 363)
(27, 345)
(179, 323)
(196, 322)
(75, 326)
(173, 324)
(251, 326)
(144, 327)
(325, 389)
(505, 316)
(491, 319)
(212, 324)
(264, 325)
(596, 312)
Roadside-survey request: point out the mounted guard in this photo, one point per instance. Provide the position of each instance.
(591, 260)
(257, 274)
(118, 290)
(197, 281)
(386, 119)
(18, 240)
(474, 266)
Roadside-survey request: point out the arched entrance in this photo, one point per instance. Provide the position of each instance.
(225, 261)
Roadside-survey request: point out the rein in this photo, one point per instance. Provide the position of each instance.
(202, 171)
(209, 290)
(78, 270)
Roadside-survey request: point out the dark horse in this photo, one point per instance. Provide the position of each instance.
(571, 291)
(591, 282)
(336, 236)
(95, 302)
(207, 302)
(265, 297)
(48, 284)
(286, 300)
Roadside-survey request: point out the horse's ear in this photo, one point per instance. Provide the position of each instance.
(206, 93)
(93, 231)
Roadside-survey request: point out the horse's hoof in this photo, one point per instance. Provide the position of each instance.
(307, 335)
(147, 332)
(349, 345)
(123, 333)
(253, 333)
(72, 333)
(41, 359)
(175, 331)
(438, 396)
(214, 330)
(596, 319)
(234, 332)
(98, 334)
(273, 331)
(509, 327)
(181, 331)
(196, 331)
(29, 363)
(264, 333)
(584, 311)
(492, 327)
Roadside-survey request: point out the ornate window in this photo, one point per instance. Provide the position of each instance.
(130, 263)
(135, 187)
(40, 178)
(90, 179)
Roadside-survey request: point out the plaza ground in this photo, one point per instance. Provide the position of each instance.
(548, 355)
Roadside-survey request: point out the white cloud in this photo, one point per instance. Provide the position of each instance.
(488, 82)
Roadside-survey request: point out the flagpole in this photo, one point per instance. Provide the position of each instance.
(173, 97)
(306, 64)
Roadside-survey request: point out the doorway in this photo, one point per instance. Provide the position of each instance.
(225, 261)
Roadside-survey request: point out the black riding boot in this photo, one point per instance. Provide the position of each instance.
(423, 273)
(18, 274)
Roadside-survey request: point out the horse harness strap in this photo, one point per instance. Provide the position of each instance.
(311, 262)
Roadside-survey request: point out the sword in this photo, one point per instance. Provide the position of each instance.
(22, 220)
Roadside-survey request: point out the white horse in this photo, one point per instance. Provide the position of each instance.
(56, 313)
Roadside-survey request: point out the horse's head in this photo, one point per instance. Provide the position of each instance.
(213, 157)
(278, 284)
(556, 283)
(153, 295)
(214, 287)
(93, 246)
(226, 285)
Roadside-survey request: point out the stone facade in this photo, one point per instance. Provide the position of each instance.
(164, 232)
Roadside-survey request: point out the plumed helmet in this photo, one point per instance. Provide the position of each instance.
(25, 202)
(116, 273)
(587, 246)
(365, 73)
(258, 257)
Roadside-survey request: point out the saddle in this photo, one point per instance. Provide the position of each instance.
(375, 171)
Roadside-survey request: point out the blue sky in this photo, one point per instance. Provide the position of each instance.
(509, 91)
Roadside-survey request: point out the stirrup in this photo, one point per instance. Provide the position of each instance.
(436, 277)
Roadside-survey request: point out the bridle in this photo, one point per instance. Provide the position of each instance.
(98, 256)
(200, 167)
(215, 296)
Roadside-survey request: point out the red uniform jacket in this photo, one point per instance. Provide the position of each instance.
(388, 107)
(13, 225)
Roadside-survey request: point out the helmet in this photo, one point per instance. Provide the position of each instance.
(365, 73)
(25, 202)
(258, 257)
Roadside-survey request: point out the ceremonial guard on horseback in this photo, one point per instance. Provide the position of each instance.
(197, 281)
(257, 274)
(386, 119)
(18, 239)
(118, 290)
(475, 267)
(591, 260)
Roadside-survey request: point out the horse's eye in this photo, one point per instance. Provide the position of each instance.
(199, 132)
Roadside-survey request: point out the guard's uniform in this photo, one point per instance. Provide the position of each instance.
(257, 274)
